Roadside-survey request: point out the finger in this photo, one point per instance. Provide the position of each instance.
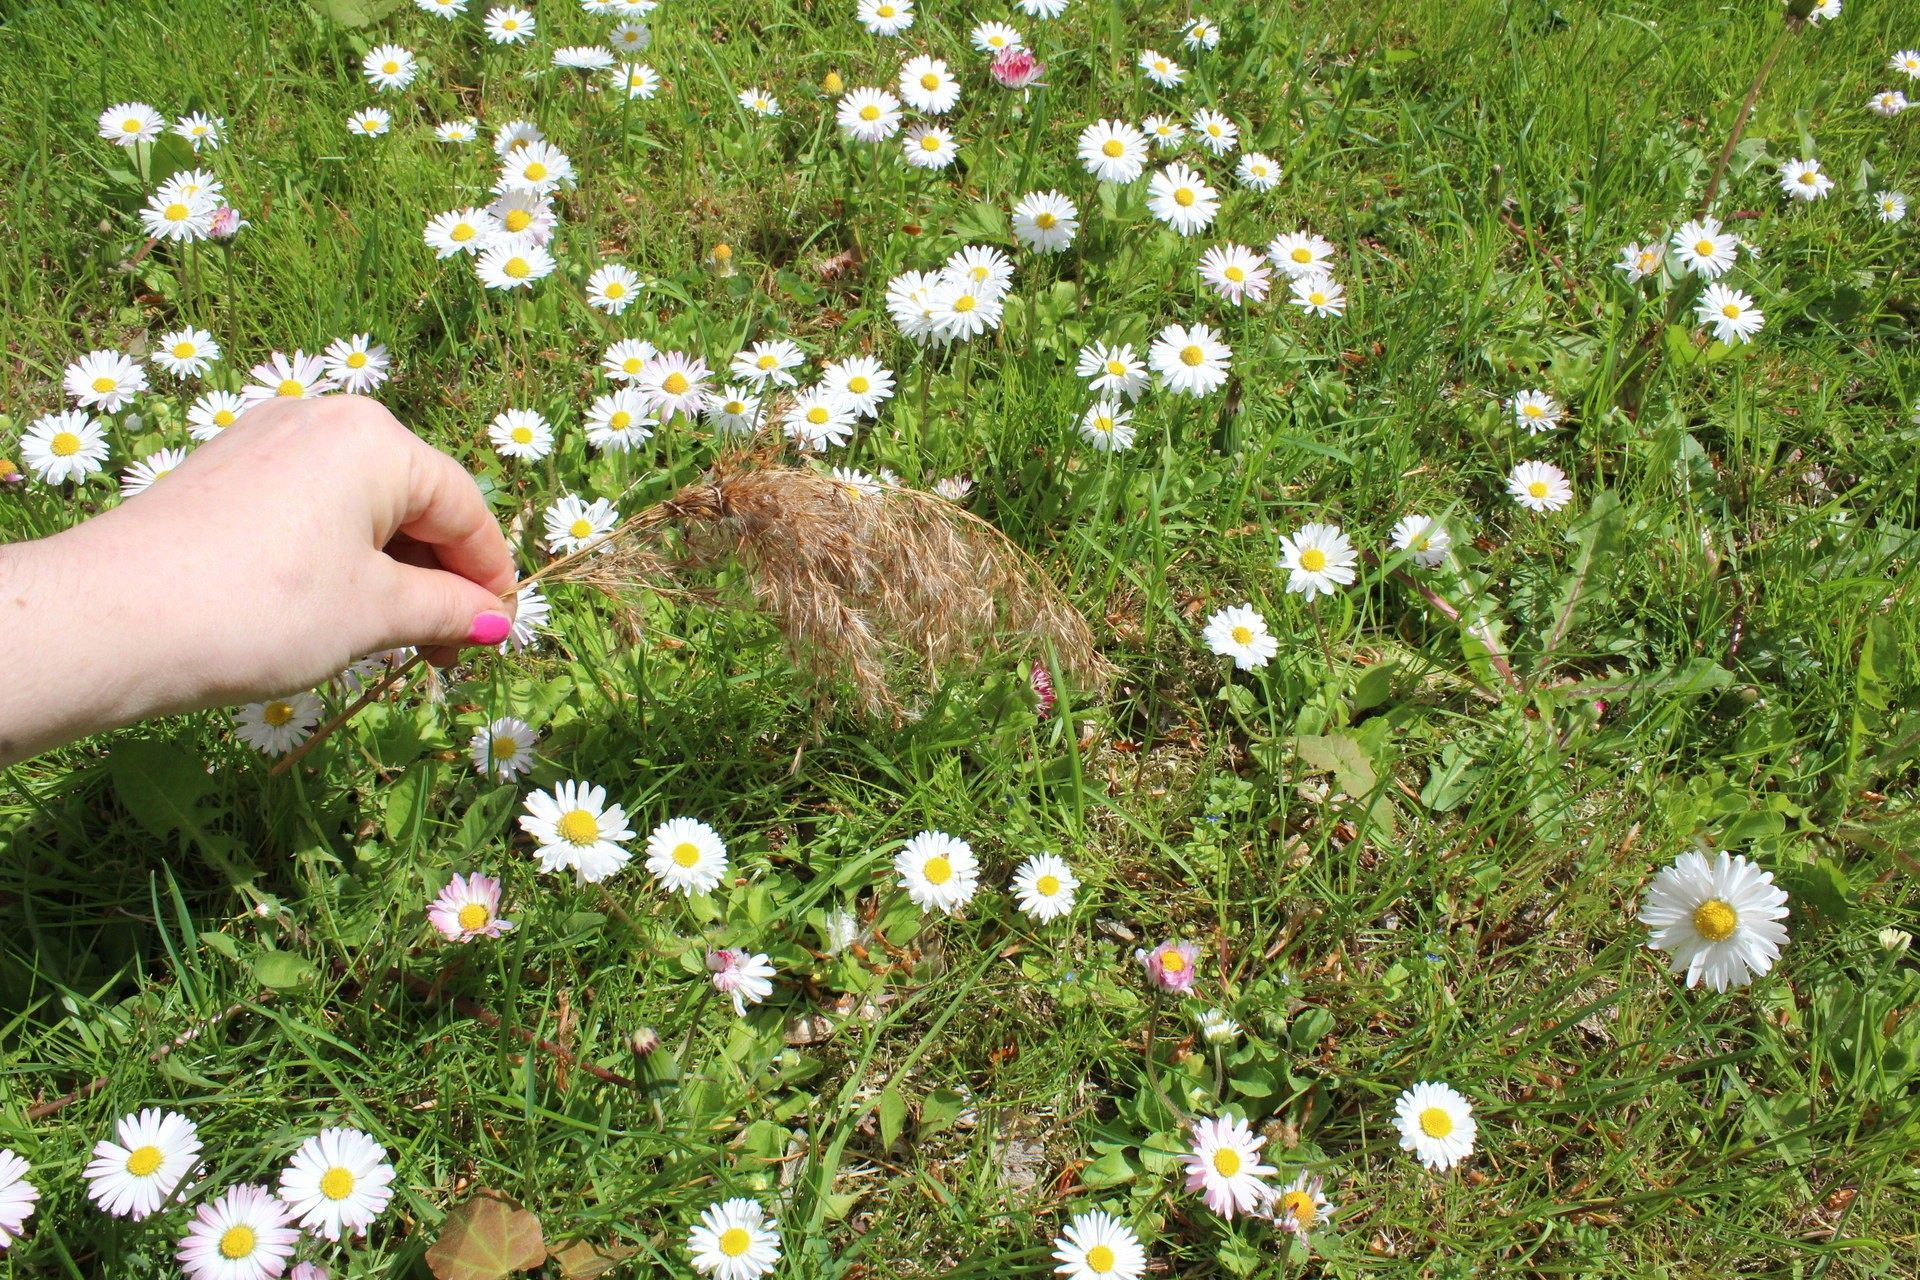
(444, 509)
(432, 609)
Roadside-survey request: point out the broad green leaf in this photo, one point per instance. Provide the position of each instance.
(488, 1237)
(283, 970)
(893, 1115)
(162, 785)
(1341, 755)
(1109, 1170)
(354, 13)
(584, 1260)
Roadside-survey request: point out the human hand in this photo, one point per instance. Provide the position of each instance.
(308, 534)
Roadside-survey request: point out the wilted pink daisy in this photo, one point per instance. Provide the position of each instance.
(1017, 68)
(1170, 965)
(468, 908)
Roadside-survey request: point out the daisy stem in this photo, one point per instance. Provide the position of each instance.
(1326, 647)
(693, 1023)
(1147, 1062)
(1746, 110)
(619, 912)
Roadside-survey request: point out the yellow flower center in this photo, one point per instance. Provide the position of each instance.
(1047, 885)
(1226, 1162)
(1044, 220)
(223, 417)
(581, 528)
(390, 67)
(818, 416)
(1317, 297)
(1731, 311)
(885, 11)
(337, 1183)
(130, 125)
(676, 383)
(1192, 356)
(101, 386)
(938, 870)
(963, 303)
(735, 1241)
(1100, 1259)
(1806, 179)
(929, 142)
(686, 853)
(1242, 635)
(1301, 254)
(1183, 197)
(517, 220)
(869, 112)
(1235, 274)
(1313, 559)
(1213, 130)
(766, 362)
(1435, 1122)
(620, 420)
(833, 83)
(64, 444)
(142, 1161)
(1172, 961)
(1103, 424)
(536, 171)
(1115, 369)
(1537, 489)
(463, 232)
(236, 1243)
(1299, 1206)
(734, 407)
(511, 24)
(503, 747)
(357, 360)
(1714, 920)
(276, 714)
(996, 42)
(1530, 410)
(175, 212)
(858, 385)
(929, 81)
(1704, 248)
(579, 826)
(517, 268)
(472, 917)
(632, 364)
(1113, 148)
(182, 350)
(614, 289)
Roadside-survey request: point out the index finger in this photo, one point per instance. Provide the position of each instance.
(445, 510)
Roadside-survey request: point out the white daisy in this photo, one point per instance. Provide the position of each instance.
(962, 309)
(1098, 1246)
(1318, 294)
(240, 1235)
(1436, 1124)
(529, 620)
(983, 266)
(735, 1241)
(1114, 370)
(1907, 60)
(1301, 253)
(1703, 248)
(760, 102)
(200, 130)
(1107, 427)
(1638, 261)
(502, 749)
(185, 353)
(506, 266)
(687, 856)
(612, 288)
(574, 524)
(619, 420)
(521, 433)
(772, 361)
(1166, 131)
(1802, 180)
(1302, 1205)
(133, 1177)
(1045, 887)
(127, 123)
(1257, 171)
(1045, 221)
(1425, 542)
(104, 380)
(1888, 102)
(508, 25)
(910, 304)
(1539, 486)
(358, 364)
(583, 57)
(818, 417)
(1179, 197)
(734, 410)
(1190, 361)
(58, 447)
(283, 377)
(1048, 9)
(627, 359)
(447, 10)
(369, 122)
(388, 67)
(459, 231)
(1240, 633)
(1202, 33)
(885, 17)
(1113, 151)
(928, 146)
(927, 86)
(468, 907)
(456, 133)
(1216, 132)
(1890, 206)
(1534, 412)
(213, 413)
(747, 977)
(1224, 1166)
(938, 871)
(538, 166)
(1216, 1027)
(17, 1196)
(1236, 273)
(1161, 69)
(1718, 921)
(140, 477)
(862, 382)
(278, 725)
(1730, 312)
(1319, 560)
(575, 829)
(674, 383)
(640, 81)
(178, 217)
(630, 37)
(995, 37)
(869, 115)
(337, 1183)
(515, 134)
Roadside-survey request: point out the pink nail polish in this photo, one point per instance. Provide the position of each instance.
(489, 628)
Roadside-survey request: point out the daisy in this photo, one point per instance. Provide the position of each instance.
(1161, 69)
(1301, 1206)
(337, 1183)
(1190, 362)
(141, 476)
(818, 418)
(1802, 180)
(515, 134)
(583, 57)
(611, 288)
(1703, 248)
(760, 102)
(200, 130)
(1045, 886)
(241, 1235)
(574, 524)
(928, 146)
(735, 1241)
(459, 231)
(1240, 633)
(1257, 171)
(1169, 966)
(447, 10)
(283, 377)
(869, 115)
(1098, 1246)
(1235, 272)
(58, 447)
(574, 828)
(1718, 921)
(213, 413)
(1731, 313)
(1047, 9)
(772, 361)
(1534, 412)
(963, 310)
(1436, 1124)
(1107, 427)
(674, 383)
(538, 166)
(1301, 253)
(995, 37)
(502, 749)
(104, 380)
(369, 122)
(358, 364)
(938, 871)
(735, 410)
(1638, 261)
(468, 908)
(1888, 102)
(186, 353)
(521, 433)
(456, 132)
(1217, 133)
(1318, 294)
(1425, 542)
(181, 218)
(1167, 133)
(529, 620)
(910, 304)
(1045, 221)
(1907, 60)
(748, 978)
(1318, 559)
(1113, 151)
(127, 123)
(619, 420)
(1113, 370)
(687, 856)
(277, 726)
(1216, 1027)
(1179, 197)
(1202, 34)
(927, 86)
(17, 1196)
(861, 381)
(388, 67)
(983, 266)
(133, 1177)
(507, 266)
(1890, 205)
(191, 183)
(855, 483)
(1224, 1166)
(627, 359)
(886, 17)
(508, 25)
(1539, 486)
(640, 81)
(630, 37)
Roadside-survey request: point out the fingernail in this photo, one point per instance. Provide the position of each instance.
(489, 628)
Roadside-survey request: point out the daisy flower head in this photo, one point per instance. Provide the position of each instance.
(240, 1235)
(996, 37)
(885, 17)
(185, 353)
(747, 977)
(910, 304)
(1539, 486)
(278, 725)
(1301, 1205)
(619, 420)
(446, 10)
(1161, 69)
(640, 81)
(509, 25)
(459, 231)
(1890, 206)
(1113, 370)
(1718, 921)
(1257, 171)
(1906, 60)
(938, 871)
(928, 146)
(127, 123)
(687, 856)
(529, 620)
(369, 122)
(511, 266)
(583, 57)
(1216, 1027)
(1534, 412)
(1190, 361)
(963, 308)
(759, 102)
(538, 166)
(515, 134)
(1823, 11)
(179, 217)
(1224, 1166)
(1436, 1124)
(134, 1176)
(928, 86)
(612, 288)
(502, 749)
(358, 364)
(983, 266)
(1202, 33)
(1731, 314)
(143, 474)
(1044, 886)
(1016, 68)
(1170, 966)
(734, 410)
(1638, 261)
(1318, 559)
(1098, 1246)
(627, 359)
(630, 37)
(1703, 248)
(286, 377)
(104, 380)
(200, 130)
(1107, 427)
(574, 524)
(388, 68)
(1113, 151)
(674, 383)
(213, 413)
(59, 447)
(735, 1240)
(1240, 633)
(1181, 198)
(521, 433)
(574, 828)
(456, 132)
(856, 484)
(1301, 253)
(468, 908)
(337, 1183)
(1216, 132)
(1425, 542)
(1236, 273)
(1318, 294)
(869, 115)
(1887, 103)
(1802, 180)
(861, 381)
(1046, 9)
(17, 1196)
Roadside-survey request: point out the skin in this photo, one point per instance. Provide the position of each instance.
(308, 534)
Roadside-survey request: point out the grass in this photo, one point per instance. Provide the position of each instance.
(1399, 863)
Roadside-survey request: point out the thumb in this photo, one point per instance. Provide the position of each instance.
(439, 611)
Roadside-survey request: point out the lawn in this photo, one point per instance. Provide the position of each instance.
(1411, 845)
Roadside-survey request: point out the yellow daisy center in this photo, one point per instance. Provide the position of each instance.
(223, 417)
(885, 11)
(1044, 220)
(182, 350)
(614, 289)
(390, 67)
(337, 1183)
(735, 1241)
(581, 528)
(472, 917)
(142, 1161)
(579, 826)
(1047, 885)
(1226, 1162)
(1242, 635)
(1299, 1206)
(511, 24)
(686, 853)
(858, 385)
(766, 362)
(357, 360)
(1172, 961)
(1192, 356)
(64, 444)
(1731, 311)
(101, 386)
(1317, 297)
(620, 420)
(1115, 369)
(817, 416)
(276, 714)
(1537, 489)
(536, 171)
(1113, 148)
(517, 220)
(1103, 424)
(503, 747)
(1183, 197)
(236, 1243)
(929, 81)
(175, 212)
(1301, 254)
(1235, 274)
(130, 125)
(938, 870)
(1213, 130)
(1806, 179)
(1435, 1122)
(1530, 410)
(929, 142)
(517, 268)
(521, 435)
(963, 303)
(632, 364)
(1313, 559)
(1100, 1259)
(1704, 248)
(463, 232)
(676, 383)
(1714, 920)
(869, 112)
